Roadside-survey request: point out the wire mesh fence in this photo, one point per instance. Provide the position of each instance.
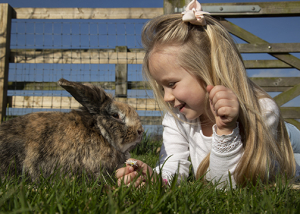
(88, 51)
(102, 46)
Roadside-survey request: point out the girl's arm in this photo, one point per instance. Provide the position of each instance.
(174, 155)
(227, 147)
(226, 153)
(174, 152)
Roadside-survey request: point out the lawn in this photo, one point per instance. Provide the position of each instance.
(80, 195)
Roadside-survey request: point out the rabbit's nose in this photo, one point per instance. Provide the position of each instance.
(140, 131)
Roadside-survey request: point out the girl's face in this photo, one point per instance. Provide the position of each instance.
(181, 89)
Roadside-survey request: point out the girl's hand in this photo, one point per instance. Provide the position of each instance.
(225, 107)
(129, 174)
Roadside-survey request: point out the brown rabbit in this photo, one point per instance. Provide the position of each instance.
(94, 138)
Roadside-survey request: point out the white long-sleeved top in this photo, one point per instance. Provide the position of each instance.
(183, 140)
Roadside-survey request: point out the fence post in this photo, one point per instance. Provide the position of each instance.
(170, 5)
(6, 14)
(121, 73)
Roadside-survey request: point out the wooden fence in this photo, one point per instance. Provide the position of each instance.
(121, 56)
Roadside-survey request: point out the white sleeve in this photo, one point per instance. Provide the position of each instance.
(174, 152)
(226, 152)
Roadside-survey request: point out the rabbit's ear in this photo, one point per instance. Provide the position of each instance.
(88, 96)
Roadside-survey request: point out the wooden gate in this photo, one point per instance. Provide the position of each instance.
(121, 56)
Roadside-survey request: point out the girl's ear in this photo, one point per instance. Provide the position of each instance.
(90, 97)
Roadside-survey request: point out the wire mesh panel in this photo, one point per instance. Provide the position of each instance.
(88, 51)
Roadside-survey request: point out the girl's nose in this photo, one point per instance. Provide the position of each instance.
(168, 97)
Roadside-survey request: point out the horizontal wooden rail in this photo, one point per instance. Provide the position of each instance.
(265, 64)
(138, 104)
(151, 120)
(87, 13)
(276, 84)
(269, 48)
(135, 56)
(270, 84)
(83, 56)
(274, 9)
(71, 103)
(290, 112)
(133, 85)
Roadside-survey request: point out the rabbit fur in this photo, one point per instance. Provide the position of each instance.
(96, 138)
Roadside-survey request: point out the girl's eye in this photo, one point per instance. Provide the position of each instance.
(171, 84)
(115, 115)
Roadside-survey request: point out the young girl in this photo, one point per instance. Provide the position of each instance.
(214, 113)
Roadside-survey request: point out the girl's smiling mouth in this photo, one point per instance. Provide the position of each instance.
(180, 107)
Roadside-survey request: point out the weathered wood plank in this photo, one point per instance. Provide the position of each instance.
(242, 33)
(266, 64)
(71, 103)
(138, 104)
(142, 85)
(151, 120)
(121, 71)
(107, 86)
(267, 9)
(5, 28)
(107, 56)
(290, 112)
(251, 38)
(87, 13)
(91, 56)
(269, 48)
(141, 104)
(273, 83)
(287, 95)
(53, 86)
(133, 85)
(111, 86)
(276, 81)
(275, 89)
(145, 120)
(289, 59)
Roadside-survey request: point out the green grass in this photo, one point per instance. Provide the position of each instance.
(79, 195)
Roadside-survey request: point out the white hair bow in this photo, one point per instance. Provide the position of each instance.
(193, 13)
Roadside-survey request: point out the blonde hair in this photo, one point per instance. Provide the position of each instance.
(209, 53)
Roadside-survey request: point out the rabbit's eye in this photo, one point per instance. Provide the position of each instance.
(115, 115)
